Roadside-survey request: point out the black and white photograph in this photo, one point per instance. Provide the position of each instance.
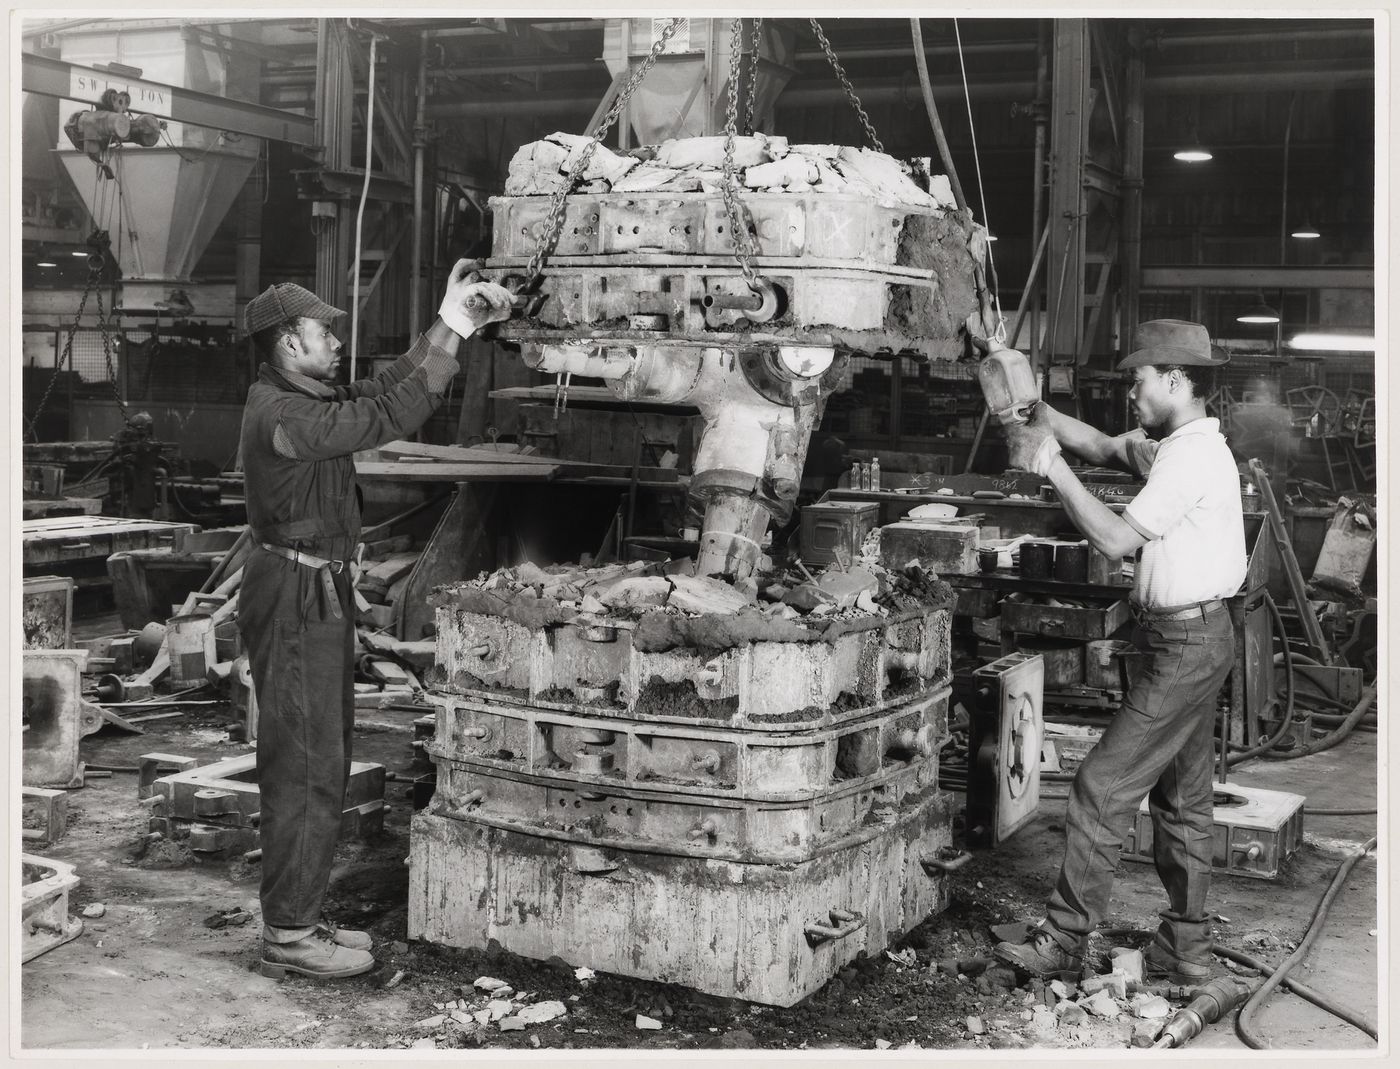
(784, 534)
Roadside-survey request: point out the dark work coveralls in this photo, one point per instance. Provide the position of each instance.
(298, 439)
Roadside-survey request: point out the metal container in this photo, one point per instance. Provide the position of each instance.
(1072, 562)
(1036, 560)
(191, 644)
(832, 531)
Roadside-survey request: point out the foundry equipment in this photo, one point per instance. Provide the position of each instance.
(640, 768)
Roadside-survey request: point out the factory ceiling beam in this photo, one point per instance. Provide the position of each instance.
(52, 77)
(1272, 78)
(1188, 276)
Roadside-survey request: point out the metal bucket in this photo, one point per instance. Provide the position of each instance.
(190, 640)
(1037, 559)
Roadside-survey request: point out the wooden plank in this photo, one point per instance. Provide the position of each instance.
(481, 453)
(438, 471)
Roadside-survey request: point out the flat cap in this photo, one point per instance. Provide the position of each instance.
(1164, 342)
(283, 301)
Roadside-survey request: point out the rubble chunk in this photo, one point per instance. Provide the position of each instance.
(94, 910)
(1101, 1004)
(511, 1024)
(539, 1012)
(1151, 1007)
(1115, 983)
(1071, 1013)
(1129, 962)
(645, 1022)
(975, 1026)
(1145, 1033)
(488, 983)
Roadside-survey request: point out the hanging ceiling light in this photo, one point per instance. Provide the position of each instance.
(1306, 232)
(1258, 313)
(1193, 153)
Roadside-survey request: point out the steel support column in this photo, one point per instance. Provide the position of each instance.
(334, 107)
(1069, 148)
(1131, 233)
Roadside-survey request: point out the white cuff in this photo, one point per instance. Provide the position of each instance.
(451, 313)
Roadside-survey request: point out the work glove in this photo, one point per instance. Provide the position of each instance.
(1032, 446)
(468, 306)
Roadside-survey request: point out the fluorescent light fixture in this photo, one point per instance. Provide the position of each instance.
(991, 237)
(1306, 232)
(80, 253)
(1194, 154)
(1259, 313)
(45, 260)
(1334, 343)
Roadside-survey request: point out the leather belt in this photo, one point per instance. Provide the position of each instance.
(1177, 612)
(323, 567)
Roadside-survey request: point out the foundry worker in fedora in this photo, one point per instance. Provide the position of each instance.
(296, 612)
(1186, 529)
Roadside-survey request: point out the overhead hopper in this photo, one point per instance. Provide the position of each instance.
(161, 205)
(686, 92)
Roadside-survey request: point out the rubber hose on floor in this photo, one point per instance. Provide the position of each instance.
(1336, 735)
(1272, 741)
(1302, 990)
(1244, 1022)
(1310, 811)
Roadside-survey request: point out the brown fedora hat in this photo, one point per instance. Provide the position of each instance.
(1164, 342)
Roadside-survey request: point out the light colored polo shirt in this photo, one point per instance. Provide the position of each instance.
(1191, 515)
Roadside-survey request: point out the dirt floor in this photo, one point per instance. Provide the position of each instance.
(152, 974)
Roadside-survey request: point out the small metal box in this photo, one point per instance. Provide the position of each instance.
(1255, 831)
(834, 528)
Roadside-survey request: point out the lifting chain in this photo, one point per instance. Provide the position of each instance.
(554, 221)
(846, 85)
(109, 359)
(65, 358)
(757, 27)
(738, 226)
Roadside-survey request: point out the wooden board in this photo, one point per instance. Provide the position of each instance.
(454, 471)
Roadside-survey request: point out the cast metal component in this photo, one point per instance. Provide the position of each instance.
(55, 717)
(945, 862)
(843, 923)
(1003, 783)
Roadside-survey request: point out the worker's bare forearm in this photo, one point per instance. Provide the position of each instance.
(1086, 442)
(1106, 531)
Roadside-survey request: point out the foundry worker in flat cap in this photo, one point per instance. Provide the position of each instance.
(296, 611)
(1187, 530)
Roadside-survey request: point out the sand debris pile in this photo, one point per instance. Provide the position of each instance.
(695, 165)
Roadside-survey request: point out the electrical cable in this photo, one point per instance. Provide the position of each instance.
(1302, 990)
(932, 108)
(1244, 1023)
(981, 188)
(1270, 742)
(360, 215)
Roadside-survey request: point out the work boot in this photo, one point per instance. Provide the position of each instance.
(317, 955)
(1041, 957)
(345, 937)
(1161, 964)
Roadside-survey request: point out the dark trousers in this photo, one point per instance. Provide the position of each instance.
(300, 656)
(1159, 744)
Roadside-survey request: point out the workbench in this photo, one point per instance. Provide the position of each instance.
(1253, 702)
(80, 545)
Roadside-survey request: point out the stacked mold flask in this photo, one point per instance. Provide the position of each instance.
(646, 770)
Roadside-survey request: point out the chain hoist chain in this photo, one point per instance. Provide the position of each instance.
(65, 358)
(757, 25)
(846, 85)
(107, 356)
(554, 221)
(738, 227)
